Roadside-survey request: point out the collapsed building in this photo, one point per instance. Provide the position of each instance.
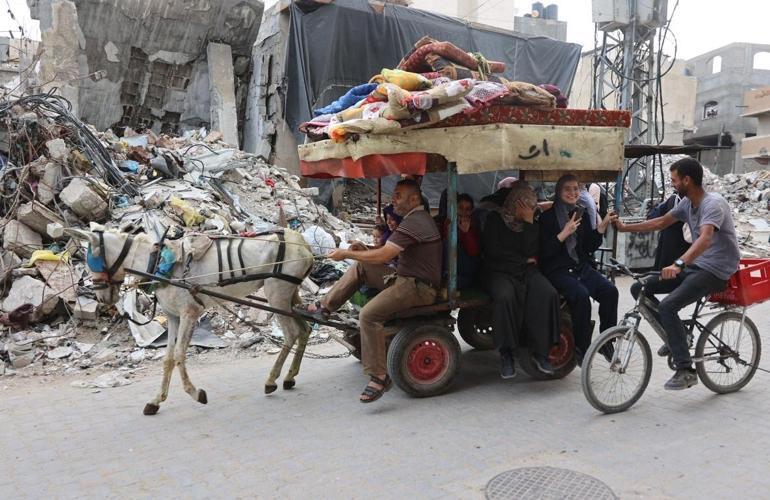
(166, 66)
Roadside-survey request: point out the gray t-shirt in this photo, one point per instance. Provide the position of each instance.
(722, 257)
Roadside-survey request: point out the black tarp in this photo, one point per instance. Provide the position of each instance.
(336, 46)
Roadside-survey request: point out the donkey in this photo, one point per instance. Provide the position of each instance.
(240, 269)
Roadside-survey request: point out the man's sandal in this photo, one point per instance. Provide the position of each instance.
(373, 394)
(318, 312)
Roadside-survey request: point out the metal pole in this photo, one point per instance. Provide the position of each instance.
(379, 196)
(452, 214)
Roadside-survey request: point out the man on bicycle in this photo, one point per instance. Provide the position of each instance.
(700, 271)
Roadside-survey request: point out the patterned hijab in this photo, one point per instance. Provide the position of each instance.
(520, 190)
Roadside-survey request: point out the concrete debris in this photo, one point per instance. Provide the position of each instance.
(37, 216)
(80, 196)
(749, 196)
(68, 174)
(103, 381)
(105, 356)
(60, 352)
(21, 239)
(27, 290)
(86, 309)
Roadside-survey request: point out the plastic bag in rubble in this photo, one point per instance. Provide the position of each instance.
(320, 241)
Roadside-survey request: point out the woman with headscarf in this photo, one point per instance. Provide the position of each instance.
(567, 245)
(526, 306)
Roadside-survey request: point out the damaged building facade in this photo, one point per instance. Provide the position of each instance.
(167, 66)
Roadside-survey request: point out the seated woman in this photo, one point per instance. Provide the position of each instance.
(468, 242)
(567, 245)
(526, 306)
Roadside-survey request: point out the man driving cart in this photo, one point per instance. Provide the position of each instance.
(417, 244)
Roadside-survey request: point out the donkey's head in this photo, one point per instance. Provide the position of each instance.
(106, 255)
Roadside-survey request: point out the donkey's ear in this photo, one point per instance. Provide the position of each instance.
(58, 232)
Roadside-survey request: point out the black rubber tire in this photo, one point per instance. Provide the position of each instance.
(587, 369)
(475, 327)
(712, 326)
(560, 370)
(424, 340)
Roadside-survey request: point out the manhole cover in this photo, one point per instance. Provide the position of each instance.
(546, 483)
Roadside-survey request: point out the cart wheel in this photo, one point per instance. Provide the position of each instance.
(475, 327)
(561, 356)
(424, 360)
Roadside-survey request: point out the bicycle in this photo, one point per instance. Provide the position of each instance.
(618, 364)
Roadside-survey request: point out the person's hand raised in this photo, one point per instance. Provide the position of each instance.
(570, 227)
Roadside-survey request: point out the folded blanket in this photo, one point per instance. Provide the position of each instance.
(485, 92)
(446, 92)
(350, 98)
(418, 60)
(404, 79)
(561, 99)
(340, 131)
(526, 94)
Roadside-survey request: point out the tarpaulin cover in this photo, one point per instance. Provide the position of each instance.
(342, 44)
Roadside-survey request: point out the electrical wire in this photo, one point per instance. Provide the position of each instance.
(60, 109)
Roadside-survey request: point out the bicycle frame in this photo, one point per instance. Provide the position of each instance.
(633, 319)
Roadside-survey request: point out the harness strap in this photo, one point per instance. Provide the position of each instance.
(219, 257)
(277, 272)
(230, 258)
(278, 267)
(240, 257)
(260, 276)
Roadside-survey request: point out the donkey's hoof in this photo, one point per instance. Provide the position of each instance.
(202, 399)
(151, 409)
(288, 384)
(270, 388)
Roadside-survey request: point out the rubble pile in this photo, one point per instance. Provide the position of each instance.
(58, 170)
(749, 196)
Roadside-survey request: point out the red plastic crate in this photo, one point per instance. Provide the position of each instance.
(749, 285)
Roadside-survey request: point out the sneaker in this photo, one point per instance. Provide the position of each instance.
(542, 364)
(507, 368)
(664, 351)
(682, 379)
(608, 351)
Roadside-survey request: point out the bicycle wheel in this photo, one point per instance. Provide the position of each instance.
(608, 386)
(724, 362)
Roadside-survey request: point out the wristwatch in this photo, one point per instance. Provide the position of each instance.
(679, 263)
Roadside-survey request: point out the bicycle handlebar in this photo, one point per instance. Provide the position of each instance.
(623, 269)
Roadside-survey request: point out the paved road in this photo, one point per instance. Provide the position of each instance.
(317, 441)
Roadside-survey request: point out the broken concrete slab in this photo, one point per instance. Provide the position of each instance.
(224, 117)
(8, 262)
(59, 352)
(27, 290)
(60, 278)
(37, 216)
(21, 239)
(20, 355)
(57, 150)
(85, 309)
(83, 200)
(64, 45)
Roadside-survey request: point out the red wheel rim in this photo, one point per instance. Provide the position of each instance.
(427, 360)
(561, 353)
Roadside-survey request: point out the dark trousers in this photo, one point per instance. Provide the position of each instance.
(578, 287)
(690, 285)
